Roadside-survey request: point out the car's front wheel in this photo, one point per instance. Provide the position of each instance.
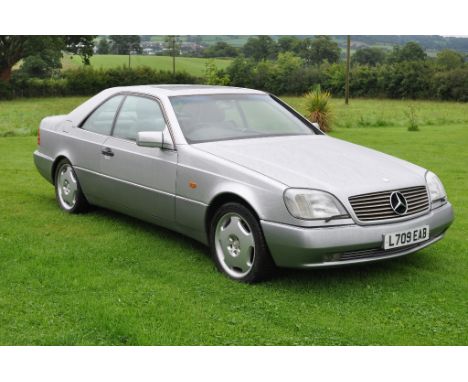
(238, 246)
(67, 189)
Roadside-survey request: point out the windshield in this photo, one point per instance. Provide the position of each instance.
(205, 118)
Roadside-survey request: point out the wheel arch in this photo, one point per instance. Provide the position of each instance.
(55, 164)
(221, 199)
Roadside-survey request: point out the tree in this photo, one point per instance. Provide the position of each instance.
(289, 44)
(47, 49)
(83, 46)
(260, 48)
(38, 66)
(368, 56)
(411, 51)
(103, 46)
(220, 49)
(125, 44)
(450, 59)
(320, 49)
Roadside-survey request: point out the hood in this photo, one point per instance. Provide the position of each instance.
(320, 162)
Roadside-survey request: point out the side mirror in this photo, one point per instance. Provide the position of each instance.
(150, 139)
(161, 139)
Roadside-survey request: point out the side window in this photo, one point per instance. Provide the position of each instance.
(102, 118)
(138, 114)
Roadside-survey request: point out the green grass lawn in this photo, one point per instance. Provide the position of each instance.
(104, 278)
(191, 65)
(21, 117)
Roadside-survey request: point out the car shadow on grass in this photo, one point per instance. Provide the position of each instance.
(320, 277)
(150, 228)
(396, 271)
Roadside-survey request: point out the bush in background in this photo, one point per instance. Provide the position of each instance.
(213, 76)
(452, 85)
(318, 108)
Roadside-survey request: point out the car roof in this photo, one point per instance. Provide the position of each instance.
(178, 90)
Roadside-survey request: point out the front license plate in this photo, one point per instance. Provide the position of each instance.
(404, 238)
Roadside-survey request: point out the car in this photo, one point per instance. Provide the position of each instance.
(242, 172)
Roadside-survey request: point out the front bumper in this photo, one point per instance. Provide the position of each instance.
(299, 247)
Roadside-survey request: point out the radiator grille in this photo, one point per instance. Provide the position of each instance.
(376, 205)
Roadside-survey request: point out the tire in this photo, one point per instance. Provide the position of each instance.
(68, 192)
(238, 246)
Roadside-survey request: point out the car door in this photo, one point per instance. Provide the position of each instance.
(139, 180)
(84, 145)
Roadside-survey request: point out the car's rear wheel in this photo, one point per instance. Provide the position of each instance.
(238, 246)
(67, 189)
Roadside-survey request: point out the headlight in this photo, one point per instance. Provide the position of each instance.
(436, 189)
(313, 204)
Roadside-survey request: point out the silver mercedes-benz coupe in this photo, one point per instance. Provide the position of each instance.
(243, 172)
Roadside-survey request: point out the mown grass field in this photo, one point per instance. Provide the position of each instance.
(104, 278)
(191, 65)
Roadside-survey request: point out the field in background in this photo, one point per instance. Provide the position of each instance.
(191, 65)
(22, 116)
(104, 278)
(388, 113)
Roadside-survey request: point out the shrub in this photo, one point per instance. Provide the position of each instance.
(452, 85)
(410, 79)
(364, 81)
(286, 75)
(318, 108)
(213, 76)
(240, 71)
(334, 78)
(412, 119)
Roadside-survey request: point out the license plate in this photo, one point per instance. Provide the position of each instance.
(404, 238)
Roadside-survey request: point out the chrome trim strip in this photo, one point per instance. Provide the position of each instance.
(140, 186)
(42, 155)
(124, 181)
(191, 200)
(318, 224)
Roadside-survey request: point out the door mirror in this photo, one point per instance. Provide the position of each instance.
(161, 139)
(150, 139)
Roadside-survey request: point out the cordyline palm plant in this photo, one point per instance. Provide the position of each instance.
(318, 108)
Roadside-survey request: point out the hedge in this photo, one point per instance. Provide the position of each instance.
(89, 81)
(287, 75)
(410, 79)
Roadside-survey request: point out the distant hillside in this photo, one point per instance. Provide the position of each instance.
(427, 42)
(430, 43)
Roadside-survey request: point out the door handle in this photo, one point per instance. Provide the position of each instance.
(107, 152)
